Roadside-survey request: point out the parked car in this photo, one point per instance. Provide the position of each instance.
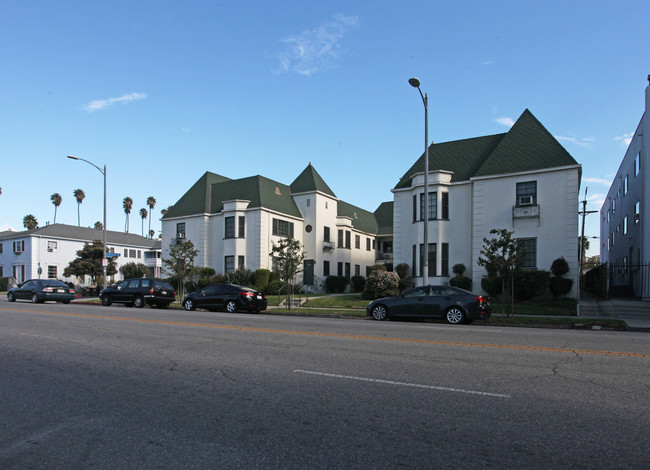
(139, 292)
(451, 303)
(228, 297)
(42, 290)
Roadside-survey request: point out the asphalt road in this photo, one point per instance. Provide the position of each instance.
(110, 387)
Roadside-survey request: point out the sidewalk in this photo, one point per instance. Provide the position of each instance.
(635, 313)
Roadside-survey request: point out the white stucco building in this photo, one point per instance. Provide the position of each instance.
(44, 253)
(625, 216)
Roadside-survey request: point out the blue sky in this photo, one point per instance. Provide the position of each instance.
(162, 91)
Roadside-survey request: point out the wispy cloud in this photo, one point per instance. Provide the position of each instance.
(505, 121)
(601, 181)
(101, 104)
(316, 49)
(625, 138)
(582, 142)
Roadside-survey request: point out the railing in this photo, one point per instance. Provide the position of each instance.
(618, 280)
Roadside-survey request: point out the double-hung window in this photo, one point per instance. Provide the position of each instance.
(229, 227)
(282, 228)
(527, 248)
(527, 193)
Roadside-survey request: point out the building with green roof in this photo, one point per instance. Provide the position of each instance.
(522, 180)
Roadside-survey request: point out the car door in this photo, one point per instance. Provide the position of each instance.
(121, 291)
(438, 300)
(410, 303)
(24, 291)
(206, 297)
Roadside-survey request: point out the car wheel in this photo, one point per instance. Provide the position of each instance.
(189, 305)
(379, 312)
(455, 315)
(138, 302)
(231, 306)
(10, 297)
(107, 301)
(35, 299)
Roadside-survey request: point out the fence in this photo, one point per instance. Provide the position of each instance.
(620, 280)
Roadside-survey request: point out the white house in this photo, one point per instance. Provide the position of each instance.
(46, 251)
(625, 217)
(234, 223)
(522, 180)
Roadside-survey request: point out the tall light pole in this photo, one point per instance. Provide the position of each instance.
(415, 83)
(104, 258)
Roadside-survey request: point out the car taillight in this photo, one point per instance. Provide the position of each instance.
(480, 299)
(48, 289)
(151, 291)
(247, 294)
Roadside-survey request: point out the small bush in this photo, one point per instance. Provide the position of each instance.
(358, 283)
(405, 283)
(331, 284)
(240, 277)
(402, 270)
(462, 282)
(218, 279)
(560, 286)
(205, 273)
(342, 283)
(491, 285)
(530, 283)
(381, 284)
(204, 282)
(190, 286)
(559, 267)
(458, 269)
(262, 277)
(376, 267)
(4, 284)
(275, 287)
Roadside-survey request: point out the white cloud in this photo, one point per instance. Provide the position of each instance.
(582, 142)
(317, 49)
(625, 138)
(101, 104)
(487, 62)
(601, 181)
(505, 121)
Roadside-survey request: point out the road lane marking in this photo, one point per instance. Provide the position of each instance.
(402, 384)
(344, 336)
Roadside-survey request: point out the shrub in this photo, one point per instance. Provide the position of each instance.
(217, 279)
(274, 287)
(530, 283)
(559, 267)
(205, 273)
(204, 282)
(402, 270)
(358, 283)
(462, 282)
(342, 283)
(405, 283)
(190, 286)
(240, 277)
(381, 284)
(134, 270)
(376, 267)
(560, 286)
(491, 285)
(331, 283)
(458, 269)
(262, 277)
(4, 284)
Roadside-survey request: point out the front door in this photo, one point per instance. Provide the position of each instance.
(308, 272)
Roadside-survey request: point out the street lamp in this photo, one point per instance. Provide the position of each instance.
(415, 83)
(103, 172)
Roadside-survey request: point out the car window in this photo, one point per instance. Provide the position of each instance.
(133, 284)
(145, 282)
(417, 292)
(29, 284)
(123, 284)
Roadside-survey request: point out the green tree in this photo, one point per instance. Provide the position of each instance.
(79, 195)
(143, 215)
(99, 225)
(288, 256)
(89, 262)
(134, 270)
(56, 200)
(499, 257)
(181, 262)
(127, 204)
(151, 202)
(30, 222)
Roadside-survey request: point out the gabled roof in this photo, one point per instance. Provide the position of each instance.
(527, 146)
(308, 181)
(197, 199)
(384, 218)
(86, 234)
(361, 219)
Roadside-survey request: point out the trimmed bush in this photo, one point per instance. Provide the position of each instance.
(262, 277)
(204, 282)
(358, 283)
(530, 283)
(560, 286)
(331, 284)
(381, 284)
(240, 277)
(4, 284)
(491, 285)
(275, 286)
(559, 267)
(458, 269)
(462, 282)
(402, 270)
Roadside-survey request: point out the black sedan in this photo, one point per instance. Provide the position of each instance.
(42, 290)
(451, 303)
(228, 297)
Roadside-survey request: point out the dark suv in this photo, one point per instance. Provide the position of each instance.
(139, 292)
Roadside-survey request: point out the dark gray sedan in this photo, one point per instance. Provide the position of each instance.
(451, 303)
(42, 290)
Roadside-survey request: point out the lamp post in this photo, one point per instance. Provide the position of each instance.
(415, 83)
(104, 258)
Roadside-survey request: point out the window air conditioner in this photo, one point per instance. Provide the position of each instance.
(526, 201)
(180, 235)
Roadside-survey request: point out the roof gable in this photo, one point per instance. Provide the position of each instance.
(309, 181)
(197, 199)
(362, 220)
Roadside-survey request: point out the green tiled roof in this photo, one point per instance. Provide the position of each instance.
(309, 180)
(526, 146)
(361, 219)
(384, 218)
(197, 199)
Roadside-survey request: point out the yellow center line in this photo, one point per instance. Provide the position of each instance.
(346, 336)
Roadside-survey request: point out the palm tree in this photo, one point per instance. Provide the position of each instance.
(151, 202)
(56, 200)
(30, 222)
(127, 203)
(163, 212)
(99, 225)
(151, 233)
(79, 195)
(143, 215)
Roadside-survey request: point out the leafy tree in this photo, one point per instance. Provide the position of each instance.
(56, 200)
(181, 262)
(499, 257)
(134, 270)
(143, 215)
(30, 222)
(127, 204)
(89, 262)
(151, 202)
(288, 256)
(381, 284)
(79, 195)
(99, 225)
